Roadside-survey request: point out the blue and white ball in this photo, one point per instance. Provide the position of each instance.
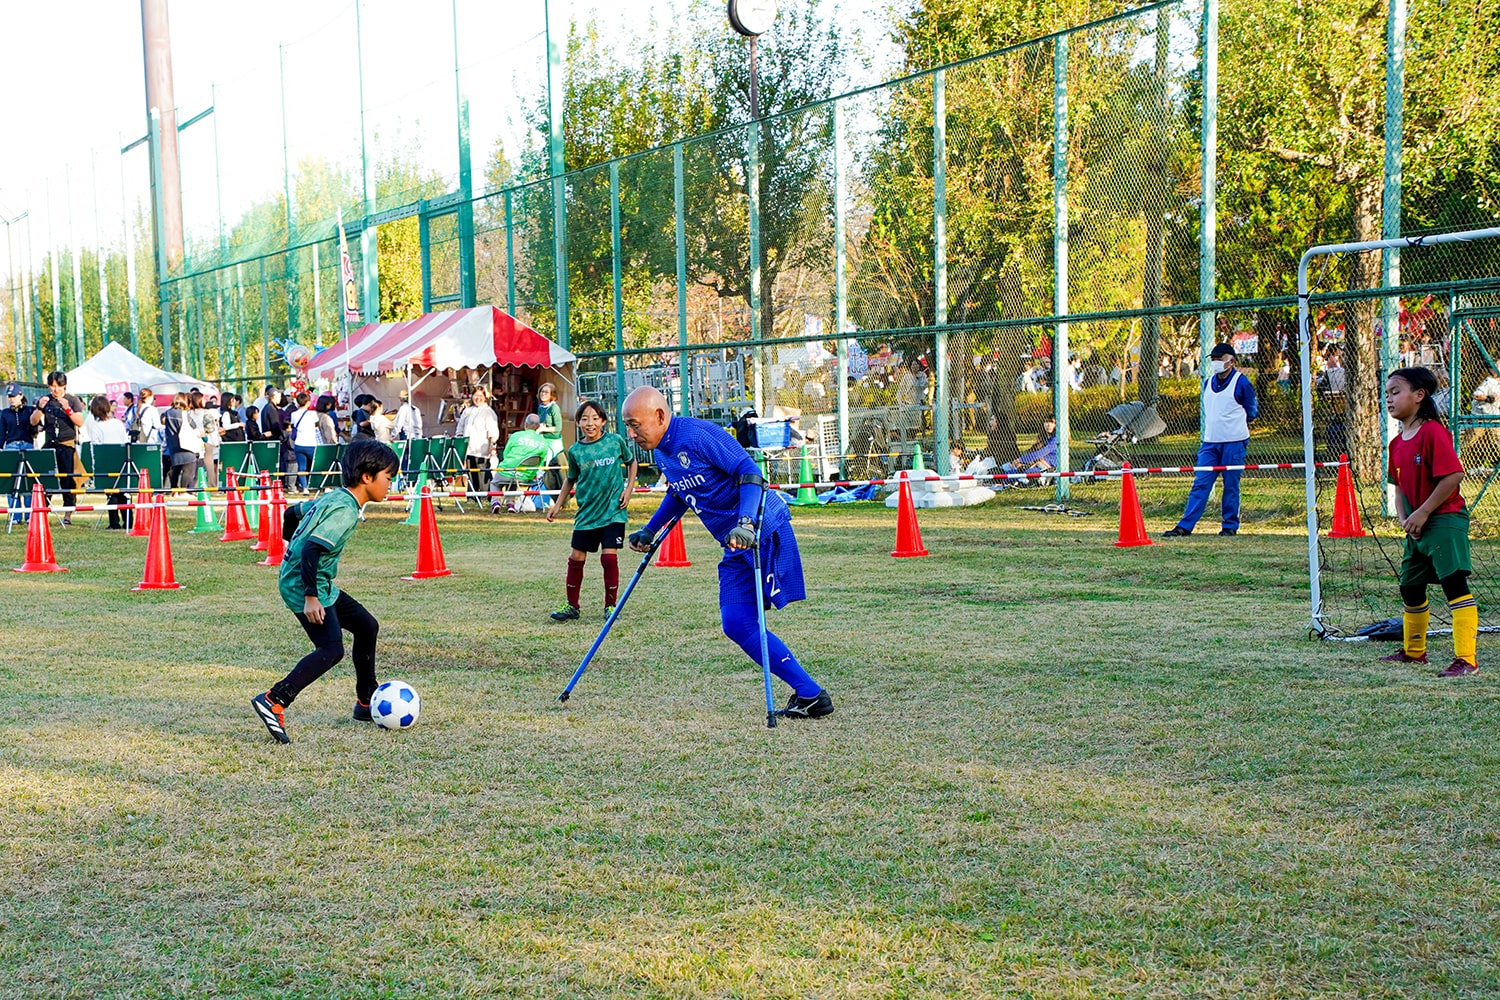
(395, 705)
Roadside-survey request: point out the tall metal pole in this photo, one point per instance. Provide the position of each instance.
(317, 298)
(556, 99)
(129, 240)
(80, 351)
(242, 364)
(1390, 219)
(840, 281)
(156, 38)
(99, 256)
(619, 299)
(164, 320)
(368, 248)
(1208, 210)
(510, 256)
(679, 218)
(940, 408)
(752, 183)
(466, 287)
(15, 299)
(265, 323)
(289, 258)
(1060, 257)
(57, 343)
(29, 290)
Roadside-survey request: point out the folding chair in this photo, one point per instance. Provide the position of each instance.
(39, 465)
(109, 463)
(325, 473)
(145, 458)
(15, 485)
(530, 470)
(234, 456)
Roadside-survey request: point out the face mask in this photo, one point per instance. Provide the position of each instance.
(1217, 367)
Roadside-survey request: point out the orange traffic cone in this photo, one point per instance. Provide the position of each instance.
(236, 528)
(158, 575)
(39, 557)
(908, 534)
(430, 562)
(673, 554)
(1346, 523)
(262, 499)
(275, 544)
(141, 526)
(1132, 524)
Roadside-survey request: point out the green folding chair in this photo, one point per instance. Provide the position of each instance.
(145, 458)
(110, 464)
(326, 472)
(15, 485)
(234, 456)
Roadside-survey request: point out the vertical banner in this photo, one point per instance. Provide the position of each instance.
(115, 393)
(346, 272)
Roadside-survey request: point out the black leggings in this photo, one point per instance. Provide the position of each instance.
(346, 615)
(1454, 587)
(479, 474)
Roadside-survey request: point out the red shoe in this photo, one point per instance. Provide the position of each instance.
(1399, 656)
(1459, 668)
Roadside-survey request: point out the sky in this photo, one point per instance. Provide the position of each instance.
(72, 86)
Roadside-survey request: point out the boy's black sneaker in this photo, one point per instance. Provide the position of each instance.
(566, 613)
(808, 708)
(362, 712)
(273, 715)
(1229, 531)
(1177, 532)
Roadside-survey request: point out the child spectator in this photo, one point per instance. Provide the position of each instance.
(603, 467)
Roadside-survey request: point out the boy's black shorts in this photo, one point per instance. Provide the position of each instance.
(611, 536)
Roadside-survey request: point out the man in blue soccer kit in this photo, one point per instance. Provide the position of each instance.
(709, 473)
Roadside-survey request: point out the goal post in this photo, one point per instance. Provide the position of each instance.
(1318, 620)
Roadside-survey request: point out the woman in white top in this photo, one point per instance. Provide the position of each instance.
(479, 425)
(305, 437)
(106, 428)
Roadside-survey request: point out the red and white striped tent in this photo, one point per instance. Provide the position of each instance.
(481, 337)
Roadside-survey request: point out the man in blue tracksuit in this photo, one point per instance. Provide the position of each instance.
(1228, 407)
(709, 473)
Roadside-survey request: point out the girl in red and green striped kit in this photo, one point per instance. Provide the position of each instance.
(1427, 473)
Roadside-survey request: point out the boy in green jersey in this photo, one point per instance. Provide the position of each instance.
(316, 531)
(603, 468)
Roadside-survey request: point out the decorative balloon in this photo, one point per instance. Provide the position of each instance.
(298, 357)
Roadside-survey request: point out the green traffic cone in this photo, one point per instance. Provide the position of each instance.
(206, 520)
(807, 496)
(916, 459)
(416, 494)
(251, 496)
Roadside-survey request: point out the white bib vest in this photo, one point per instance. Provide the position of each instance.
(1224, 420)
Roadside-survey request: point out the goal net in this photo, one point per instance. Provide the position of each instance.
(1445, 317)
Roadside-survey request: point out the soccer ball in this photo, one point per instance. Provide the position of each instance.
(395, 705)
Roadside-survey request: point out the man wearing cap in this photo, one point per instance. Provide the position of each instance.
(60, 414)
(1228, 407)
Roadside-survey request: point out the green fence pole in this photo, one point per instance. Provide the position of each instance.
(242, 364)
(289, 259)
(619, 302)
(104, 337)
(555, 95)
(1060, 258)
(129, 241)
(1390, 221)
(752, 184)
(1208, 209)
(57, 343)
(317, 276)
(840, 280)
(510, 257)
(940, 406)
(369, 262)
(679, 212)
(466, 289)
(80, 350)
(265, 317)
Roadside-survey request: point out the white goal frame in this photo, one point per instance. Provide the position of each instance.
(1310, 471)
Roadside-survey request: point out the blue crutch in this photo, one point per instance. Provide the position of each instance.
(760, 611)
(619, 606)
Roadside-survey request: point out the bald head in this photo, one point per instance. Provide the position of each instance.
(647, 415)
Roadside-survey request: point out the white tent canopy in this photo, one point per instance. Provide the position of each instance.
(117, 364)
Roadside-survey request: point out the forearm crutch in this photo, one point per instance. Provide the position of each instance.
(760, 610)
(619, 606)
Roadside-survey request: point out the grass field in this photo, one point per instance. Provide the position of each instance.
(1057, 769)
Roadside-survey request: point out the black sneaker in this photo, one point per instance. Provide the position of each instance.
(808, 708)
(1177, 532)
(273, 715)
(1229, 531)
(362, 712)
(566, 613)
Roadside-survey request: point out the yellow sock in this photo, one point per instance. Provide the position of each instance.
(1414, 623)
(1465, 613)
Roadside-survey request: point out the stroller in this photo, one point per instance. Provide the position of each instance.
(871, 443)
(1135, 422)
